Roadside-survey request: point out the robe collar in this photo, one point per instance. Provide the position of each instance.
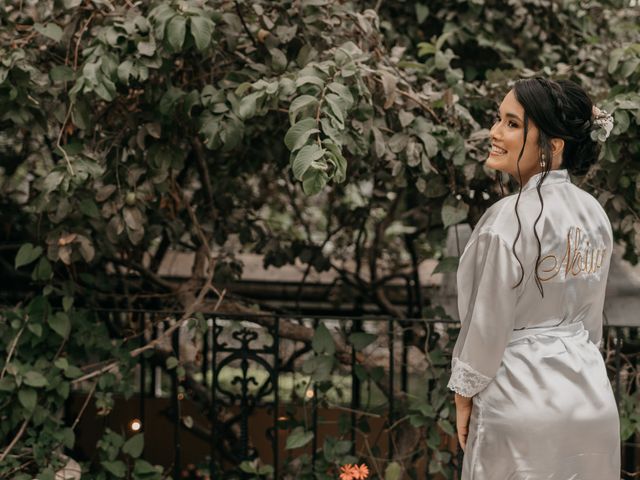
(554, 176)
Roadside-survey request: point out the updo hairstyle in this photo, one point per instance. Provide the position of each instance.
(560, 109)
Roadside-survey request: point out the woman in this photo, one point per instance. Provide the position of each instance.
(533, 400)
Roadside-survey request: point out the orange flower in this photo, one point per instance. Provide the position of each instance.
(360, 472)
(347, 472)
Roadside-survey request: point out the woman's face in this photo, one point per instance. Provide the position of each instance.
(507, 137)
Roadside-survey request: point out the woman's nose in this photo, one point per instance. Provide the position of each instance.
(495, 132)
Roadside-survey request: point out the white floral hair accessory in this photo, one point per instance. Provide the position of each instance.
(602, 125)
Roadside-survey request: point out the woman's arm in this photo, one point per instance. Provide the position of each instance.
(463, 414)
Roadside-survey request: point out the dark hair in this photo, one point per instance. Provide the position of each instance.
(560, 109)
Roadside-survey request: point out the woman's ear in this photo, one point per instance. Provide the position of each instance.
(557, 147)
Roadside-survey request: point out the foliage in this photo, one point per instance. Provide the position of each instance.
(43, 364)
(112, 445)
(346, 136)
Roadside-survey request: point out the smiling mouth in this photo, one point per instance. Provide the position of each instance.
(495, 150)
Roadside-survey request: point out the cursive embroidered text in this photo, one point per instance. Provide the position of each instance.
(578, 258)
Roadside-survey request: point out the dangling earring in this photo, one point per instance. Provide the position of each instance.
(542, 161)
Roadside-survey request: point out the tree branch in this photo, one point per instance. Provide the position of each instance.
(244, 24)
(15, 440)
(198, 151)
(145, 273)
(378, 292)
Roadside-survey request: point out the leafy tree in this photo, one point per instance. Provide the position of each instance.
(344, 135)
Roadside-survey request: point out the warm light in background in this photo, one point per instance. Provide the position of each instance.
(135, 425)
(310, 393)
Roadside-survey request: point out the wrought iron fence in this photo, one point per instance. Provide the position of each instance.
(386, 371)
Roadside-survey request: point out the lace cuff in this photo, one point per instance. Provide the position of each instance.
(465, 380)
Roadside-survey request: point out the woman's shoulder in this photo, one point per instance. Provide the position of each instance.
(499, 218)
(593, 207)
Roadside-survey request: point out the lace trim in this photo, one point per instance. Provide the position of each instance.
(465, 380)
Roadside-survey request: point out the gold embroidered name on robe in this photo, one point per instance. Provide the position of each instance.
(579, 257)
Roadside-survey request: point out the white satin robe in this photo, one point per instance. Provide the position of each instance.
(543, 407)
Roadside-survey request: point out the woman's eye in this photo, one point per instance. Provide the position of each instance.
(513, 125)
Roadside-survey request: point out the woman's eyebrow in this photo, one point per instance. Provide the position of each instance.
(508, 114)
(513, 115)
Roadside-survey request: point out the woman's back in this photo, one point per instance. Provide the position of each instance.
(542, 403)
(533, 400)
(576, 246)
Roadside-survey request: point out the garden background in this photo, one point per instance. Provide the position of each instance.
(278, 179)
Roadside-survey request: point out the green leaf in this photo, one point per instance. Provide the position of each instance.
(322, 341)
(614, 59)
(172, 362)
(27, 254)
(430, 143)
(337, 106)
(134, 445)
(248, 467)
(51, 30)
(7, 384)
(35, 328)
(105, 89)
(61, 73)
(176, 31)
(169, 100)
(147, 48)
(278, 60)
(35, 379)
(117, 468)
(398, 142)
(68, 437)
(60, 324)
(446, 426)
(48, 473)
(306, 79)
(89, 208)
(125, 70)
(133, 217)
(265, 470)
(360, 340)
(422, 12)
(144, 468)
(300, 103)
(28, 398)
(393, 471)
(426, 48)
(454, 214)
(43, 270)
(343, 92)
(61, 363)
(72, 372)
(249, 104)
(323, 368)
(629, 67)
(447, 264)
(52, 181)
(340, 163)
(231, 134)
(304, 158)
(442, 61)
(298, 438)
(298, 134)
(67, 303)
(201, 31)
(314, 181)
